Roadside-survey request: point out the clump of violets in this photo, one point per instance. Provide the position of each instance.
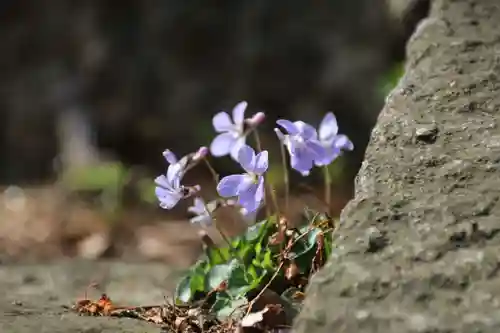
(307, 148)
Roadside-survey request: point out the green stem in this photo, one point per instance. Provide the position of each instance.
(285, 176)
(223, 235)
(267, 187)
(214, 173)
(328, 188)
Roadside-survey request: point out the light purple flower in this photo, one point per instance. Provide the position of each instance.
(188, 161)
(248, 217)
(202, 215)
(333, 142)
(232, 132)
(248, 187)
(169, 190)
(302, 145)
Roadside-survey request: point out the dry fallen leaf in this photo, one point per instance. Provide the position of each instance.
(269, 318)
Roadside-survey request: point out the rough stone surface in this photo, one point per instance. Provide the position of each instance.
(430, 186)
(33, 296)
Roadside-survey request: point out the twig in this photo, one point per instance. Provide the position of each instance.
(250, 305)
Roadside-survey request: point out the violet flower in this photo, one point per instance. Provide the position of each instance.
(169, 190)
(248, 187)
(202, 211)
(232, 132)
(302, 145)
(332, 142)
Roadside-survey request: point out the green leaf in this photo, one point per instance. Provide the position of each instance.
(260, 231)
(238, 282)
(220, 273)
(193, 282)
(183, 289)
(301, 247)
(258, 248)
(197, 284)
(254, 231)
(252, 273)
(230, 308)
(221, 304)
(267, 261)
(328, 245)
(217, 256)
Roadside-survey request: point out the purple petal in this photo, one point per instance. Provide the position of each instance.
(302, 162)
(222, 122)
(259, 193)
(222, 144)
(203, 220)
(235, 148)
(261, 162)
(246, 157)
(290, 127)
(239, 113)
(174, 175)
(315, 148)
(306, 130)
(229, 186)
(161, 192)
(198, 207)
(169, 156)
(342, 142)
(247, 198)
(330, 154)
(168, 199)
(293, 144)
(162, 181)
(328, 127)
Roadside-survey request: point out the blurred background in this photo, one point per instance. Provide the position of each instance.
(92, 92)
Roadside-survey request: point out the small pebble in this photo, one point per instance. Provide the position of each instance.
(426, 133)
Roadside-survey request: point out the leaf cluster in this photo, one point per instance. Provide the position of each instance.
(270, 254)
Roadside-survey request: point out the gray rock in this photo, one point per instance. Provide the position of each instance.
(436, 200)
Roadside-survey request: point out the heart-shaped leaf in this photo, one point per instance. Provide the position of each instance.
(183, 290)
(220, 273)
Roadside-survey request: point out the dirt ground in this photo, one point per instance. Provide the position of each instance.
(418, 250)
(34, 295)
(43, 223)
(53, 248)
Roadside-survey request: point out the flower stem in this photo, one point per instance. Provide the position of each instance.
(285, 176)
(214, 173)
(328, 188)
(223, 235)
(267, 186)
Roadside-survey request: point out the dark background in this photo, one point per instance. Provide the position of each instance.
(87, 82)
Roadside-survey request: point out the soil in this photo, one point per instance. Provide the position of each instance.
(418, 248)
(45, 238)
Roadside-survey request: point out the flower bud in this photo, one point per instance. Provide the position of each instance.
(200, 154)
(257, 119)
